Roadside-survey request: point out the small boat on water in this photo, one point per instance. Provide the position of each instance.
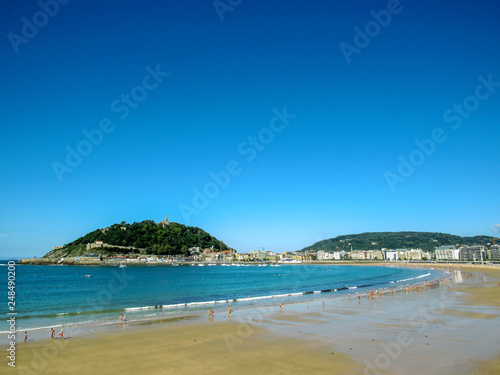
(122, 265)
(88, 276)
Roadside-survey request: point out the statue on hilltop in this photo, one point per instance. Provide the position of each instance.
(165, 222)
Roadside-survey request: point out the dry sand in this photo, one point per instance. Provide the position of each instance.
(344, 338)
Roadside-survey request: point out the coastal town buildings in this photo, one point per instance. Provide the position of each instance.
(461, 253)
(494, 252)
(447, 253)
(472, 253)
(391, 255)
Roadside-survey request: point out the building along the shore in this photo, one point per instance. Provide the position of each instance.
(494, 252)
(472, 253)
(447, 253)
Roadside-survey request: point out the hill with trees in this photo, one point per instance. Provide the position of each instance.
(146, 237)
(426, 241)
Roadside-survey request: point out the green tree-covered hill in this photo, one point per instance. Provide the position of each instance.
(426, 241)
(148, 236)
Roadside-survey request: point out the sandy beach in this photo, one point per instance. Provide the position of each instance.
(451, 328)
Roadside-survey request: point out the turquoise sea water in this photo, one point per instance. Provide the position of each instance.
(53, 296)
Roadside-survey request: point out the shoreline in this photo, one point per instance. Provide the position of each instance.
(76, 261)
(197, 307)
(299, 333)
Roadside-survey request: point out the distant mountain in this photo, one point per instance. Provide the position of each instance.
(426, 241)
(146, 237)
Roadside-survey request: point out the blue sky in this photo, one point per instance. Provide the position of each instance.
(173, 94)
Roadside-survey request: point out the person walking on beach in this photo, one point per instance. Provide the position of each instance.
(323, 304)
(52, 333)
(281, 307)
(230, 311)
(25, 336)
(61, 335)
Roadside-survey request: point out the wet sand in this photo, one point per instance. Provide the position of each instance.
(448, 329)
(213, 348)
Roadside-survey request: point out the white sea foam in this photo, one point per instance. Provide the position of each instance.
(254, 298)
(33, 329)
(400, 281)
(427, 274)
(173, 306)
(201, 303)
(139, 308)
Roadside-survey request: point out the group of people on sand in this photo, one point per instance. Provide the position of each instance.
(371, 295)
(229, 313)
(52, 334)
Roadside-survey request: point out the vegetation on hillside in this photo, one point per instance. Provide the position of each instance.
(426, 241)
(146, 237)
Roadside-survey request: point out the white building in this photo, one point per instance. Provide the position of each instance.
(391, 255)
(414, 254)
(447, 253)
(324, 255)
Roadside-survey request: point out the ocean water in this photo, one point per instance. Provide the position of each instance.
(64, 296)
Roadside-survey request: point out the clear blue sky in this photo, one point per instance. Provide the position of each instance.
(338, 161)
